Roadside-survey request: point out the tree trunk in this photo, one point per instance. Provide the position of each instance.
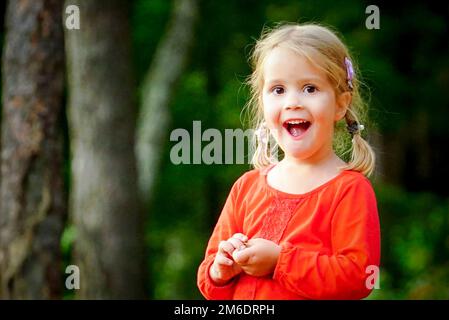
(157, 89)
(32, 199)
(108, 221)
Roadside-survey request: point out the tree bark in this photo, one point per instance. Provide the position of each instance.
(32, 197)
(157, 89)
(107, 216)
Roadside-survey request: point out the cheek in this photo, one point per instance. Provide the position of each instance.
(267, 103)
(270, 110)
(324, 111)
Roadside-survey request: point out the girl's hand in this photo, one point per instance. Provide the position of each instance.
(224, 268)
(259, 258)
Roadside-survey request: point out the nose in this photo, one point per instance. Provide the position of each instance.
(293, 102)
(293, 106)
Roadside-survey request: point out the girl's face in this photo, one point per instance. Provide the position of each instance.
(300, 105)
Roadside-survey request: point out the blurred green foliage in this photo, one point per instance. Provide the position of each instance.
(395, 64)
(415, 245)
(406, 67)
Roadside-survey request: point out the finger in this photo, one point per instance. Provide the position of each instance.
(254, 241)
(240, 236)
(222, 260)
(239, 245)
(225, 247)
(241, 257)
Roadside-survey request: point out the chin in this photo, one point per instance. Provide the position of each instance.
(295, 152)
(300, 151)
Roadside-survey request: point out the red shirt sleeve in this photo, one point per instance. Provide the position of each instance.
(355, 239)
(224, 229)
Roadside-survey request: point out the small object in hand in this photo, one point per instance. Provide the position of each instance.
(245, 244)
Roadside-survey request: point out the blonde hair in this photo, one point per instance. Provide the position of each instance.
(322, 43)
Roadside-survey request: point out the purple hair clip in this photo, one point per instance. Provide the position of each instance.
(349, 72)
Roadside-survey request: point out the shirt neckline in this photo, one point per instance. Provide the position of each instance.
(278, 192)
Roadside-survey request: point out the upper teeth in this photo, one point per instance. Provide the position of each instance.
(296, 121)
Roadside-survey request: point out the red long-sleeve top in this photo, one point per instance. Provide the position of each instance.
(329, 238)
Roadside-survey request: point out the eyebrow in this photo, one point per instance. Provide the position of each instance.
(305, 79)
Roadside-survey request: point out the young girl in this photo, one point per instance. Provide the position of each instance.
(306, 227)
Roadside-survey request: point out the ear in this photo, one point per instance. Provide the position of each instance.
(343, 102)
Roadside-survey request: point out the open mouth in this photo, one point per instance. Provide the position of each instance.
(297, 127)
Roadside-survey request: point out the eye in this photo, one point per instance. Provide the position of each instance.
(310, 88)
(278, 90)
